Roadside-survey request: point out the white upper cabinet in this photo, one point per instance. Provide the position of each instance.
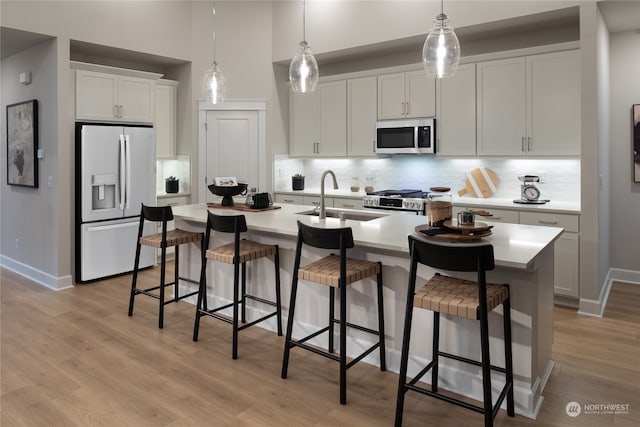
(529, 105)
(165, 118)
(554, 106)
(112, 97)
(456, 124)
(501, 101)
(406, 95)
(361, 116)
(318, 121)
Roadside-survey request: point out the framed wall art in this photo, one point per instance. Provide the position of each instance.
(635, 121)
(22, 144)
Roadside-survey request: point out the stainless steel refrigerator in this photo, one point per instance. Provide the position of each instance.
(115, 173)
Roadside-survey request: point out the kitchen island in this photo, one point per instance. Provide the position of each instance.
(523, 257)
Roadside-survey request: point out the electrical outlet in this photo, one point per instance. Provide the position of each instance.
(50, 182)
(17, 243)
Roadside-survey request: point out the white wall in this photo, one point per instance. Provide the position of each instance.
(29, 223)
(625, 194)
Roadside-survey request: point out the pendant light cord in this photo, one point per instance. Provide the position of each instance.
(214, 31)
(304, 21)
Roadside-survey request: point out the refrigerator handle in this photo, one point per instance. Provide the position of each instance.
(129, 173)
(122, 171)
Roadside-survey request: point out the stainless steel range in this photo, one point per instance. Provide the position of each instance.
(398, 200)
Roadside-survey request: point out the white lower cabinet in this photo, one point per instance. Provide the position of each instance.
(566, 249)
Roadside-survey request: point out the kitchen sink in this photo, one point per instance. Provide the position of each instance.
(336, 213)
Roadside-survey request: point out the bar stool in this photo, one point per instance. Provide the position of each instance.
(237, 253)
(335, 272)
(161, 240)
(463, 298)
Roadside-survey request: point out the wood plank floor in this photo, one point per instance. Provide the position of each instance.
(74, 358)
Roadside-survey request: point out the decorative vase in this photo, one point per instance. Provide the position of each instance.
(297, 183)
(172, 186)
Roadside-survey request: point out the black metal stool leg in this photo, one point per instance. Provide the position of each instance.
(343, 343)
(176, 272)
(236, 284)
(202, 297)
(486, 369)
(508, 356)
(332, 316)
(434, 352)
(162, 280)
(276, 262)
(244, 292)
(287, 341)
(134, 280)
(383, 359)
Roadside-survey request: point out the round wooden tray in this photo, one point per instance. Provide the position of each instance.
(466, 229)
(455, 236)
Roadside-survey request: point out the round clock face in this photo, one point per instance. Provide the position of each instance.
(531, 192)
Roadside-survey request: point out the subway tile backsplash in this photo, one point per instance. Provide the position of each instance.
(560, 177)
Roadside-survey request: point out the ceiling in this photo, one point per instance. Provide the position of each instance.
(619, 15)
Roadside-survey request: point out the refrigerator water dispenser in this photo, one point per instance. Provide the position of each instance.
(103, 192)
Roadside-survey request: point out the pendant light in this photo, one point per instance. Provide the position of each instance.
(213, 84)
(303, 70)
(441, 50)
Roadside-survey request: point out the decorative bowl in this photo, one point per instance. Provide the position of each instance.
(227, 193)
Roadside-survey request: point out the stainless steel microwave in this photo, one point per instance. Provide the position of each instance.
(415, 136)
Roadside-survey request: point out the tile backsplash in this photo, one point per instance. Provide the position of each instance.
(560, 178)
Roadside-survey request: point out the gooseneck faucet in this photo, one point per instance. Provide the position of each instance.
(323, 209)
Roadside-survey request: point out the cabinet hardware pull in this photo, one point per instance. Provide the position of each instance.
(528, 143)
(288, 200)
(373, 147)
(315, 203)
(348, 206)
(496, 217)
(408, 108)
(115, 111)
(120, 111)
(522, 144)
(547, 222)
(318, 147)
(403, 109)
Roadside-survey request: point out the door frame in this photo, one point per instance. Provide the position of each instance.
(259, 106)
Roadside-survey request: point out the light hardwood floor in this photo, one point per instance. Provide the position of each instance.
(74, 358)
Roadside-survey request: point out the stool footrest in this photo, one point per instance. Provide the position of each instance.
(470, 361)
(262, 300)
(246, 325)
(181, 297)
(446, 398)
(358, 327)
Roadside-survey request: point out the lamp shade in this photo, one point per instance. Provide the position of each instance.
(214, 84)
(441, 50)
(303, 70)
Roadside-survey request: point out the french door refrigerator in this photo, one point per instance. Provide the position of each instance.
(115, 173)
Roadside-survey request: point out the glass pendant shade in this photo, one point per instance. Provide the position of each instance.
(303, 70)
(441, 50)
(214, 84)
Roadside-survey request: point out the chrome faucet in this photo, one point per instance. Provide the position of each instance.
(323, 209)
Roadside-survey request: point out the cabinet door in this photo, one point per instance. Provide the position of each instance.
(165, 120)
(347, 203)
(303, 123)
(136, 99)
(420, 94)
(566, 265)
(456, 125)
(289, 199)
(361, 116)
(332, 106)
(391, 92)
(554, 95)
(96, 96)
(501, 107)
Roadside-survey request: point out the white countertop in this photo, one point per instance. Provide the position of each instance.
(554, 206)
(515, 245)
(167, 195)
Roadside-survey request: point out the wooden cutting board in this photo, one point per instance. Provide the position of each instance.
(480, 182)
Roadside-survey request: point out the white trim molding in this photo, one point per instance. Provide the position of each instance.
(596, 308)
(38, 276)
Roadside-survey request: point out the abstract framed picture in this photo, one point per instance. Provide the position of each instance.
(635, 122)
(22, 144)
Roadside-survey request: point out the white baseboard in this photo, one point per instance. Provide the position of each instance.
(595, 308)
(38, 276)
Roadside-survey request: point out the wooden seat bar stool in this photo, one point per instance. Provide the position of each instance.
(462, 298)
(238, 253)
(162, 240)
(335, 272)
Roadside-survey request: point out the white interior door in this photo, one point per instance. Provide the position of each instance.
(232, 147)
